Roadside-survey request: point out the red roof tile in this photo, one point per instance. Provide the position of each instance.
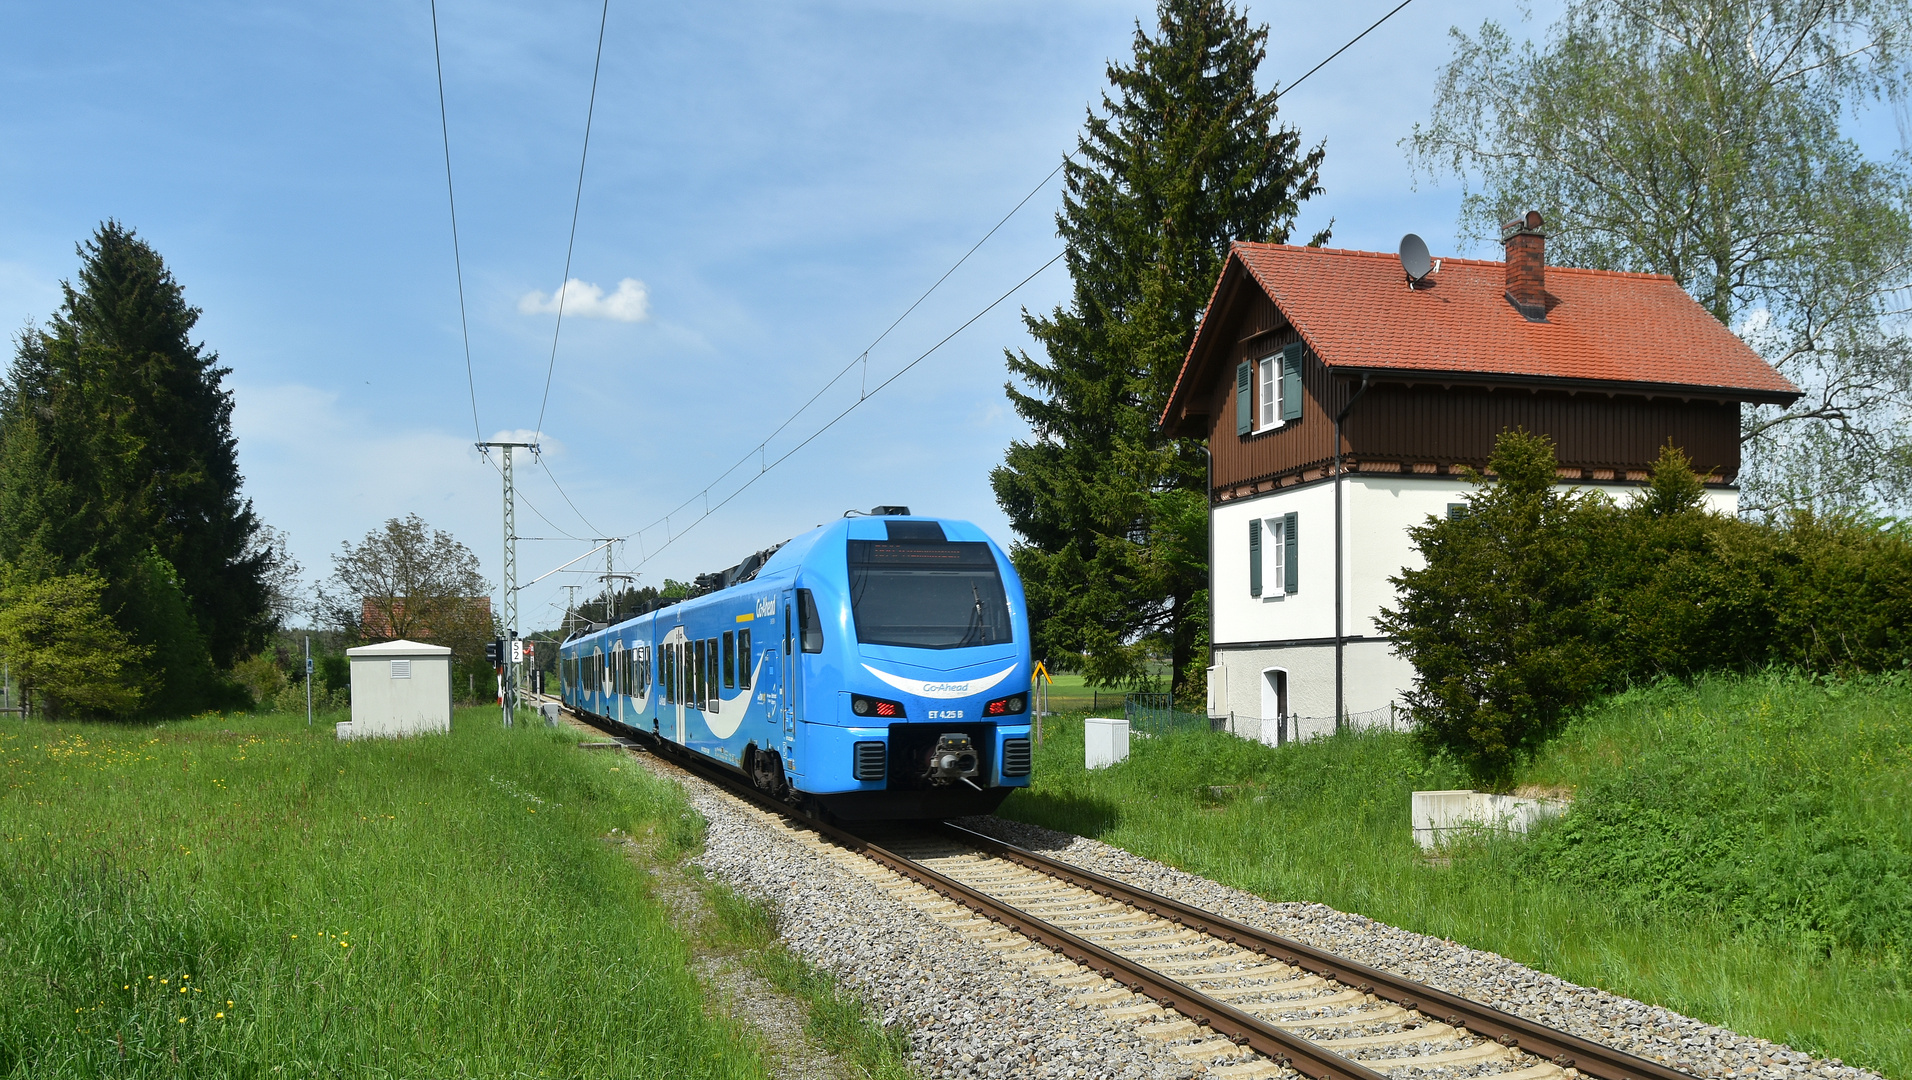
(1355, 311)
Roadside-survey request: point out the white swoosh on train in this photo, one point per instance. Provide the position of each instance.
(730, 711)
(941, 688)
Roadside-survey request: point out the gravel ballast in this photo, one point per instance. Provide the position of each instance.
(1644, 1030)
(966, 1013)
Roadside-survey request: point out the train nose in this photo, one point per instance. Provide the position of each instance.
(953, 758)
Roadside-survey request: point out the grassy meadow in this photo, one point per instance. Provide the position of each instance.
(1740, 851)
(247, 897)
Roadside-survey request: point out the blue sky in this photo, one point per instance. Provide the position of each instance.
(777, 181)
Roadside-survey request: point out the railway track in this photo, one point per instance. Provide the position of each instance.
(1248, 1002)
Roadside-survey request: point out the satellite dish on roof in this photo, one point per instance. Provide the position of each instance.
(1414, 259)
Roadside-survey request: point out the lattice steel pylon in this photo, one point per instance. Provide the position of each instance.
(509, 691)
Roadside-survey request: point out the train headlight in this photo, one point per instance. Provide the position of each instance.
(880, 708)
(1012, 705)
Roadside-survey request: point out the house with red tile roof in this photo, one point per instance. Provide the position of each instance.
(1342, 402)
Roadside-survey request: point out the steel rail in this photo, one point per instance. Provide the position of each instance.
(1563, 1049)
(1242, 1028)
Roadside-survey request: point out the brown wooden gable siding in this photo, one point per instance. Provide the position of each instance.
(1428, 428)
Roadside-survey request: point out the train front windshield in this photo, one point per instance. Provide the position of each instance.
(927, 595)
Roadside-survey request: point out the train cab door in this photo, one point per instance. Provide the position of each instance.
(792, 667)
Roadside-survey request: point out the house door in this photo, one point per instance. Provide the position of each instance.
(1274, 706)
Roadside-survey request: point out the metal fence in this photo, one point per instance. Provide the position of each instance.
(1158, 714)
(1281, 730)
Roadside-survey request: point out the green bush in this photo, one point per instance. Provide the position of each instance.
(1536, 598)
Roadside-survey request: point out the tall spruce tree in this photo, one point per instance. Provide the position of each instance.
(117, 458)
(1185, 157)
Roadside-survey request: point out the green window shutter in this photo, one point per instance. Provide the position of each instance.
(1291, 382)
(1244, 398)
(1254, 557)
(1293, 584)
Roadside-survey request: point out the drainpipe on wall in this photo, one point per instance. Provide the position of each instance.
(1208, 492)
(1340, 638)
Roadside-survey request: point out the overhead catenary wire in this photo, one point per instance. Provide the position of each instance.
(457, 259)
(1342, 49)
(759, 451)
(577, 201)
(832, 422)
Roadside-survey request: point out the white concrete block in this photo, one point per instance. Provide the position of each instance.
(1438, 814)
(1104, 742)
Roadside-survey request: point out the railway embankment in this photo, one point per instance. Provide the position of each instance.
(1731, 890)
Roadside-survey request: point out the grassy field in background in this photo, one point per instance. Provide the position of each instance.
(1740, 851)
(245, 896)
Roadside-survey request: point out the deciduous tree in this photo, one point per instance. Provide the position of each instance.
(65, 649)
(1183, 157)
(409, 580)
(1702, 139)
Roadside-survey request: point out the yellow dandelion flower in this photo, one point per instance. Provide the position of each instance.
(219, 1016)
(182, 989)
(182, 1019)
(128, 986)
(228, 1002)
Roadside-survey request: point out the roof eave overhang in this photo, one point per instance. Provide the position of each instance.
(1560, 384)
(1176, 420)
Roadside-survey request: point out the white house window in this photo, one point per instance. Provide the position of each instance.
(401, 669)
(1275, 558)
(1272, 571)
(1269, 384)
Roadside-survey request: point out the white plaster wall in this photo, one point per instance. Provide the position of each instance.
(1274, 616)
(1379, 511)
(1373, 677)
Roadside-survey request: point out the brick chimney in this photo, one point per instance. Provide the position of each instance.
(1526, 266)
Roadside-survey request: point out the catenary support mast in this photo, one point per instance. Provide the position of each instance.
(510, 688)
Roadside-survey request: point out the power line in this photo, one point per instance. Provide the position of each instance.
(867, 395)
(457, 260)
(1344, 48)
(578, 201)
(863, 358)
(567, 498)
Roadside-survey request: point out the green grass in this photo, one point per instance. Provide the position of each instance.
(246, 897)
(1736, 851)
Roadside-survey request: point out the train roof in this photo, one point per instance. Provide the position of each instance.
(790, 554)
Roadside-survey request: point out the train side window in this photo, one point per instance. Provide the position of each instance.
(743, 659)
(807, 621)
(669, 673)
(716, 664)
(786, 629)
(730, 660)
(697, 664)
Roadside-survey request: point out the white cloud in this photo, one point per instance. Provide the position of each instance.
(630, 303)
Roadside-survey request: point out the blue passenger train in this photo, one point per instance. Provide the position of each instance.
(876, 667)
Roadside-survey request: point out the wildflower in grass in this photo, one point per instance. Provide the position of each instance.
(182, 1019)
(218, 1016)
